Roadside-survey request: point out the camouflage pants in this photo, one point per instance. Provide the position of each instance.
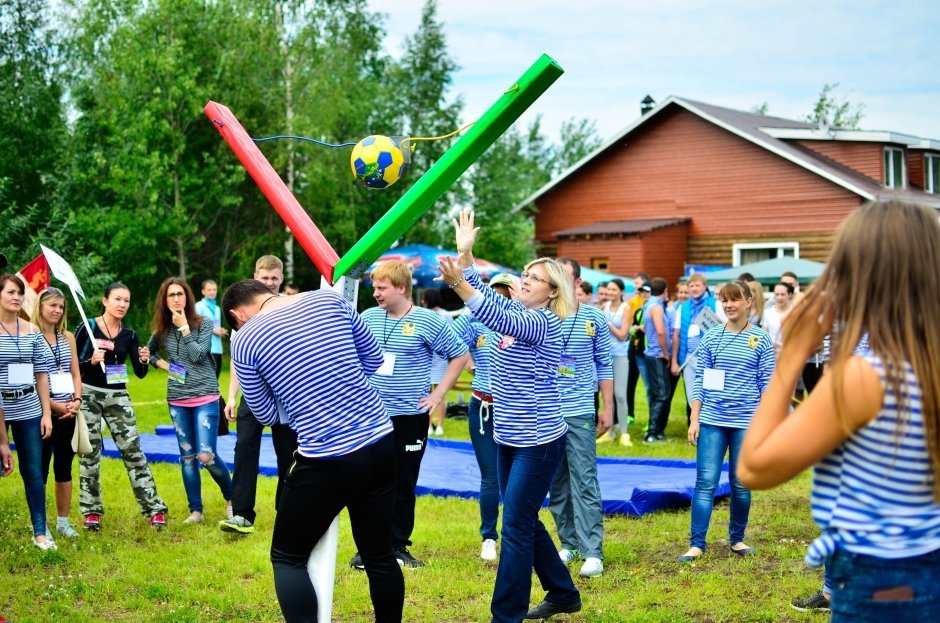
(114, 408)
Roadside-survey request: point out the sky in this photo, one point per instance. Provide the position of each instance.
(739, 54)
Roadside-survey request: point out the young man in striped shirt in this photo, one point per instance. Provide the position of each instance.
(269, 270)
(408, 336)
(575, 495)
(308, 358)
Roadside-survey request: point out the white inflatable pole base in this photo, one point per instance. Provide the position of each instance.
(322, 569)
(322, 563)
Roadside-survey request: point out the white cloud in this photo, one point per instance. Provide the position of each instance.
(731, 53)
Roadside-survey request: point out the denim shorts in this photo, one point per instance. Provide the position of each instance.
(870, 589)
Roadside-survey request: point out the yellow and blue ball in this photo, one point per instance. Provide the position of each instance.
(377, 162)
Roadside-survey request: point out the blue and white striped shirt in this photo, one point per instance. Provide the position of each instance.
(585, 337)
(747, 360)
(313, 358)
(412, 339)
(524, 372)
(22, 348)
(481, 342)
(652, 339)
(873, 494)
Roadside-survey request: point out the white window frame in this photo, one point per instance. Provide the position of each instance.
(896, 152)
(737, 247)
(931, 185)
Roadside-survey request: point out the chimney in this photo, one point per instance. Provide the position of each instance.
(647, 105)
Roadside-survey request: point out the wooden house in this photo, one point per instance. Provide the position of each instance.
(692, 184)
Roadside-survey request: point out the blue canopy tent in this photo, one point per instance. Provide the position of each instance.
(423, 259)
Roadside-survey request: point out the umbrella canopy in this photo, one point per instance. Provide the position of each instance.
(768, 272)
(423, 259)
(595, 277)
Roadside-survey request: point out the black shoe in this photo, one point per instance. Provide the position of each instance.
(548, 608)
(660, 436)
(815, 603)
(650, 439)
(406, 560)
(356, 562)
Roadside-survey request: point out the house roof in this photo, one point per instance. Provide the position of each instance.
(770, 133)
(620, 227)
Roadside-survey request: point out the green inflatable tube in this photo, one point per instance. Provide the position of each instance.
(420, 197)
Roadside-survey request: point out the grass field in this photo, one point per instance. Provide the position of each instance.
(129, 572)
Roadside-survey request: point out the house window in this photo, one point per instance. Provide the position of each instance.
(894, 168)
(600, 263)
(749, 252)
(932, 170)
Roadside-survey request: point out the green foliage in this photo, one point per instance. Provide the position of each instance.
(32, 129)
(135, 184)
(838, 112)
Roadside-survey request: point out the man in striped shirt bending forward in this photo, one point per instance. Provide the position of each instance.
(310, 356)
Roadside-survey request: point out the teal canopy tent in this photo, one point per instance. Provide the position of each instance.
(768, 272)
(595, 277)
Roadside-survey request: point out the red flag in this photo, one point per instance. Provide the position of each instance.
(36, 277)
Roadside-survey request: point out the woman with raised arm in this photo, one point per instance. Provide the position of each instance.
(528, 426)
(24, 387)
(871, 426)
(102, 360)
(65, 387)
(184, 339)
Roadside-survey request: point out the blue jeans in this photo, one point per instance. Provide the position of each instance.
(485, 449)
(196, 431)
(868, 589)
(713, 443)
(525, 475)
(28, 439)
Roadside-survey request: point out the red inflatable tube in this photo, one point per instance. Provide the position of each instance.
(270, 183)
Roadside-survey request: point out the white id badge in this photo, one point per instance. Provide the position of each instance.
(388, 365)
(20, 374)
(61, 383)
(713, 379)
(694, 331)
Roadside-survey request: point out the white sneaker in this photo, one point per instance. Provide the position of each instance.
(488, 551)
(568, 555)
(194, 517)
(439, 430)
(430, 430)
(46, 545)
(591, 568)
(625, 441)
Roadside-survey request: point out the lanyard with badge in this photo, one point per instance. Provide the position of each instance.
(713, 378)
(568, 366)
(19, 373)
(60, 381)
(388, 359)
(177, 371)
(115, 373)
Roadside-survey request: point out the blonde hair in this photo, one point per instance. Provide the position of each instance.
(562, 303)
(395, 272)
(882, 280)
(699, 277)
(269, 262)
(757, 299)
(48, 295)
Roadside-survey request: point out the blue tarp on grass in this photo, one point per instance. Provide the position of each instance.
(629, 486)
